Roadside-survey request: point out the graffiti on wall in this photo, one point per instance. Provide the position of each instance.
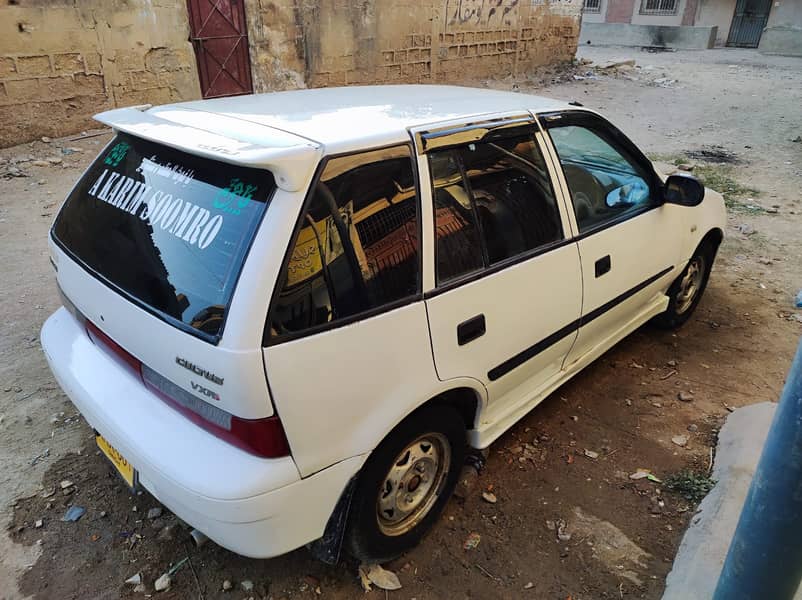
(490, 14)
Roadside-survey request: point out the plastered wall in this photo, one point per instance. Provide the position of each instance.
(62, 61)
(338, 42)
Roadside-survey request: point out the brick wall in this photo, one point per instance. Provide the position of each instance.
(63, 61)
(338, 42)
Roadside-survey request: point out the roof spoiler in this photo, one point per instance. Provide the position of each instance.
(290, 158)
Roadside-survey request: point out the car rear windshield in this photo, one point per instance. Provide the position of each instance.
(168, 229)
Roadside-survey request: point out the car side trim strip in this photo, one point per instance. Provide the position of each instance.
(535, 349)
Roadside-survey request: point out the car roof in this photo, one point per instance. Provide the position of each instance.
(346, 117)
(288, 132)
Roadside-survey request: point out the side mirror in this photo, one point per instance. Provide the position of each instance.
(684, 190)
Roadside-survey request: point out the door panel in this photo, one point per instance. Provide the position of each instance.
(627, 238)
(509, 290)
(218, 33)
(643, 254)
(524, 306)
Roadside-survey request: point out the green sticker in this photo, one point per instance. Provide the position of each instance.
(117, 154)
(238, 191)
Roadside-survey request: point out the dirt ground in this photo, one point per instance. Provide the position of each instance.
(735, 106)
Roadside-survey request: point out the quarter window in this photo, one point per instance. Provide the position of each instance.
(493, 202)
(605, 182)
(357, 248)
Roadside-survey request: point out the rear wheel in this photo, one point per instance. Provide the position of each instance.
(405, 484)
(686, 291)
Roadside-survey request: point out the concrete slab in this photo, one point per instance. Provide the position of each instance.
(701, 554)
(668, 36)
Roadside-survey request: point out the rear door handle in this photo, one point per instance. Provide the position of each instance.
(469, 330)
(603, 265)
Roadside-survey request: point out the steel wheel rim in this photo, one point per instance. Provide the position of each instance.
(413, 484)
(690, 284)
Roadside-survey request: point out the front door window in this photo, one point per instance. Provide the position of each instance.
(605, 182)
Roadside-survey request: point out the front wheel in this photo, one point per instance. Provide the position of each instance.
(686, 291)
(405, 484)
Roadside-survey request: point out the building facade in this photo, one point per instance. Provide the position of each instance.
(772, 26)
(61, 61)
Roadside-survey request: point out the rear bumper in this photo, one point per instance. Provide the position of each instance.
(254, 506)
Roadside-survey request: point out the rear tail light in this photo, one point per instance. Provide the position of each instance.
(262, 437)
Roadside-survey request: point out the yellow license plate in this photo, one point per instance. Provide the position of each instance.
(123, 467)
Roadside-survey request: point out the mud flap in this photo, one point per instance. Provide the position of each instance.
(327, 549)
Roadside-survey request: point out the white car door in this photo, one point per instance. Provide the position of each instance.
(629, 241)
(505, 296)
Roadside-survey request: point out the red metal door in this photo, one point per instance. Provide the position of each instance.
(219, 35)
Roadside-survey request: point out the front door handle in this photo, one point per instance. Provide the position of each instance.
(603, 265)
(469, 330)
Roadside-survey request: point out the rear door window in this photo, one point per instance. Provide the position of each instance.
(357, 245)
(168, 229)
(493, 202)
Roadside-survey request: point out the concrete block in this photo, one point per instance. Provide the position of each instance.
(87, 85)
(129, 60)
(784, 40)
(144, 79)
(34, 65)
(7, 67)
(670, 36)
(57, 87)
(23, 90)
(704, 547)
(68, 63)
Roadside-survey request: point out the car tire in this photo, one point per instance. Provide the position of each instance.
(389, 516)
(687, 290)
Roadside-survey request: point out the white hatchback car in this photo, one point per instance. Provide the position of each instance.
(287, 316)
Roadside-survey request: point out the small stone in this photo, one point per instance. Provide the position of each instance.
(247, 585)
(46, 139)
(680, 440)
(693, 427)
(66, 484)
(685, 397)
(162, 583)
(40, 163)
(227, 585)
(102, 514)
(529, 586)
(140, 589)
(672, 363)
(772, 210)
(562, 534)
(134, 579)
(591, 454)
(489, 497)
(551, 525)
(574, 418)
(746, 229)
(168, 532)
(38, 524)
(54, 160)
(155, 513)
